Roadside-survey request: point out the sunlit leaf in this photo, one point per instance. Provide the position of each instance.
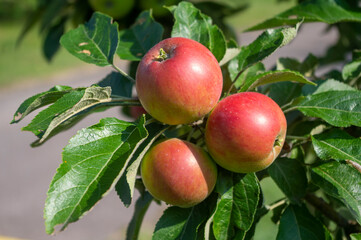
(328, 11)
(94, 42)
(338, 108)
(341, 181)
(93, 161)
(337, 145)
(268, 42)
(40, 100)
(191, 23)
(273, 77)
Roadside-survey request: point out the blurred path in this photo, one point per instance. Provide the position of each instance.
(25, 172)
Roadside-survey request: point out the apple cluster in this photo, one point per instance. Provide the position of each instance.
(179, 81)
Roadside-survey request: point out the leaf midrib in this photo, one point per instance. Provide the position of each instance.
(339, 184)
(338, 149)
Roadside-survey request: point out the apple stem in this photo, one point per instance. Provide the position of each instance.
(234, 82)
(276, 204)
(162, 56)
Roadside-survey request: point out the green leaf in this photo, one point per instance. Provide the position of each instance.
(171, 224)
(141, 207)
(94, 42)
(139, 38)
(325, 86)
(284, 92)
(298, 224)
(223, 214)
(248, 73)
(230, 53)
(191, 23)
(355, 236)
(277, 211)
(120, 85)
(261, 211)
(41, 121)
(288, 63)
(307, 67)
(328, 11)
(246, 192)
(306, 128)
(338, 145)
(181, 223)
(351, 70)
(40, 100)
(273, 77)
(290, 177)
(52, 12)
(51, 43)
(93, 97)
(70, 109)
(93, 161)
(341, 181)
(237, 205)
(338, 108)
(199, 215)
(30, 22)
(268, 42)
(125, 186)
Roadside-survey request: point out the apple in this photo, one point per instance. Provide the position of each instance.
(245, 132)
(178, 81)
(178, 172)
(113, 8)
(137, 111)
(157, 6)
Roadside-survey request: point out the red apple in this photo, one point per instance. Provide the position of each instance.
(137, 111)
(245, 132)
(178, 81)
(178, 172)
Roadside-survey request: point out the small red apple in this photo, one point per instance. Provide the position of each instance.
(178, 81)
(137, 111)
(245, 132)
(178, 172)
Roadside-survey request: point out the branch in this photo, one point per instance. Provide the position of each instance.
(234, 82)
(327, 210)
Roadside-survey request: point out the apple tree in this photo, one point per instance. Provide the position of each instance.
(290, 124)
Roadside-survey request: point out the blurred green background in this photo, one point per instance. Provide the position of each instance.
(26, 62)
